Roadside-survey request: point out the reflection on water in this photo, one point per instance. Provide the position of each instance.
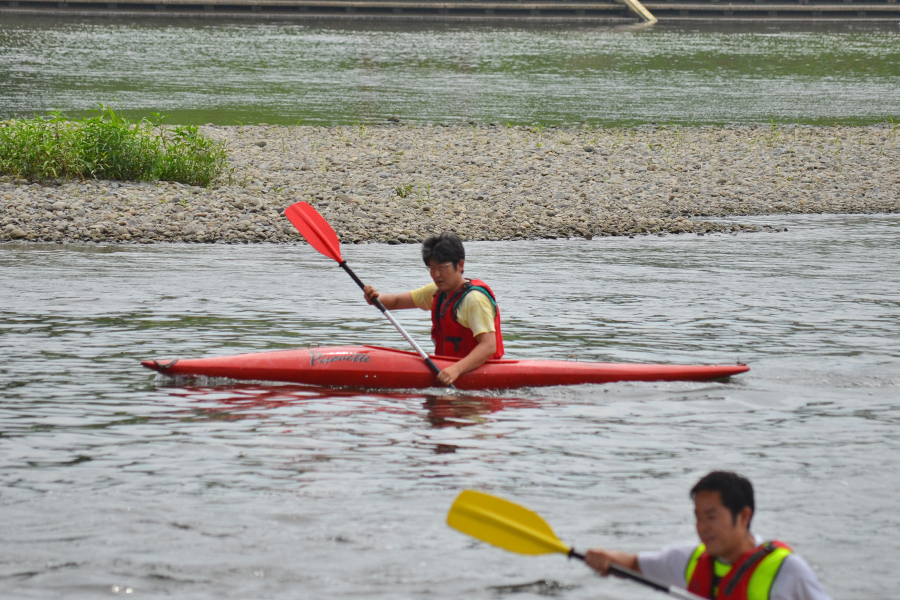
(240, 401)
(541, 587)
(238, 72)
(113, 476)
(453, 411)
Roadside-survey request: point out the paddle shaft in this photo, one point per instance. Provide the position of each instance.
(390, 317)
(635, 576)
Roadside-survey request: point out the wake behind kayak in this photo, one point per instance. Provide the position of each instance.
(377, 367)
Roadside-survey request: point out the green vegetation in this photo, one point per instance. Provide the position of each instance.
(404, 190)
(108, 146)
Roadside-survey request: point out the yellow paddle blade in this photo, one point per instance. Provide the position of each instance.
(503, 524)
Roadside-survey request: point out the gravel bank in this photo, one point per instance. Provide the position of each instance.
(397, 183)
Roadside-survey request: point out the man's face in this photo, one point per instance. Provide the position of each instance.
(445, 276)
(716, 527)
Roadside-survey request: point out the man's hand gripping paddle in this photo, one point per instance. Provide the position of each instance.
(517, 529)
(322, 237)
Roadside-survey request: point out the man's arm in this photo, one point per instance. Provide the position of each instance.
(390, 301)
(600, 560)
(487, 346)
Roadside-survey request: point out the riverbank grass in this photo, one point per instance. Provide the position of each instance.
(108, 146)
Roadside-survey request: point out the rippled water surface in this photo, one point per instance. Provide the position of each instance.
(247, 72)
(113, 478)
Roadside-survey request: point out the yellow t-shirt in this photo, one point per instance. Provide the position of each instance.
(475, 313)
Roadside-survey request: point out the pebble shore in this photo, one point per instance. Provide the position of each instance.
(398, 183)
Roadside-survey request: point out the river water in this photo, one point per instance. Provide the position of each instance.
(114, 480)
(230, 72)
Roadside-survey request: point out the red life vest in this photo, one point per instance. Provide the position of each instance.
(451, 338)
(749, 578)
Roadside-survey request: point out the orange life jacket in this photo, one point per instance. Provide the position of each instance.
(451, 338)
(749, 578)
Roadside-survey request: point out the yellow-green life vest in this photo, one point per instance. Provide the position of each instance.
(755, 572)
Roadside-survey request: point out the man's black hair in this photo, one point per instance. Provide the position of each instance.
(735, 491)
(446, 247)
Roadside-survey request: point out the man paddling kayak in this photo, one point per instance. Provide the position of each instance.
(730, 563)
(465, 320)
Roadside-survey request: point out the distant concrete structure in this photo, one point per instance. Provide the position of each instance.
(776, 10)
(545, 11)
(578, 11)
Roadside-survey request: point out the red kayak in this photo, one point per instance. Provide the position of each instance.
(375, 367)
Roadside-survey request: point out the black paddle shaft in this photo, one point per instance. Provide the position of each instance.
(635, 576)
(627, 574)
(343, 264)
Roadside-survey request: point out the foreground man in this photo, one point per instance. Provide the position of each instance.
(730, 563)
(465, 320)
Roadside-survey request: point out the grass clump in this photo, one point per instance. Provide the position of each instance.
(108, 146)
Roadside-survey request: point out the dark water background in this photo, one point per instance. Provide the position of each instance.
(249, 72)
(115, 479)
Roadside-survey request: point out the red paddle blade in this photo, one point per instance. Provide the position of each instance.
(315, 229)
